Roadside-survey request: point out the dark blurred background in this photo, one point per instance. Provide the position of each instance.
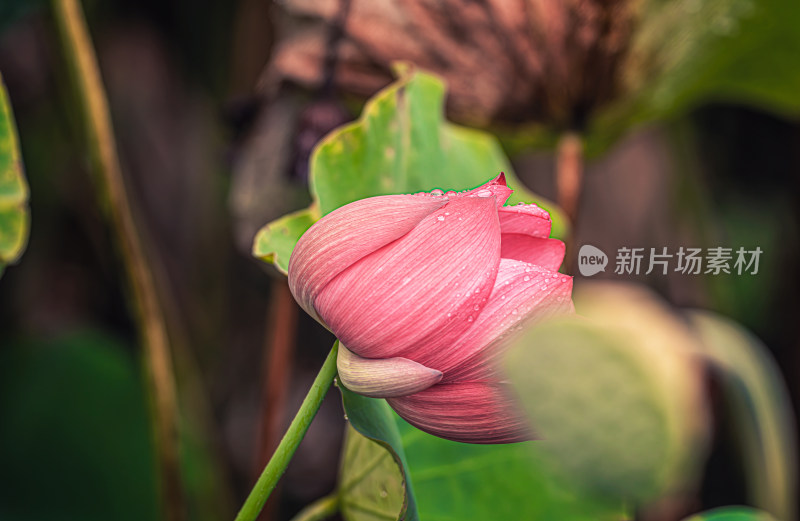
(216, 106)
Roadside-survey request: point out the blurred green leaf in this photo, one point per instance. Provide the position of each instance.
(457, 481)
(755, 391)
(614, 397)
(732, 514)
(400, 144)
(75, 441)
(385, 492)
(14, 218)
(688, 52)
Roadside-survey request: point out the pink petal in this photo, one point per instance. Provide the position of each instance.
(527, 219)
(383, 377)
(421, 292)
(522, 295)
(346, 235)
(465, 412)
(547, 253)
(496, 187)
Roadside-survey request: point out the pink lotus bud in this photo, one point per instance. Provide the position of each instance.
(423, 291)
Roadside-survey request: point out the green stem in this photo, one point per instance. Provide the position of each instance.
(288, 445)
(322, 508)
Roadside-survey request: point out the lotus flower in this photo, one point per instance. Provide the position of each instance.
(423, 292)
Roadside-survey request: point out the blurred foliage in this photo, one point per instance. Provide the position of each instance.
(732, 514)
(615, 397)
(401, 144)
(14, 216)
(75, 442)
(687, 52)
(756, 394)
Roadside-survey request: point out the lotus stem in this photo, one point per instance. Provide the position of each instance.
(288, 445)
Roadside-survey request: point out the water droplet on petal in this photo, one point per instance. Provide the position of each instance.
(484, 193)
(527, 278)
(436, 192)
(440, 218)
(476, 307)
(470, 319)
(513, 311)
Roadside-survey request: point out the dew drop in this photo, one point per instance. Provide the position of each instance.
(527, 278)
(346, 418)
(436, 192)
(449, 314)
(470, 319)
(513, 311)
(440, 218)
(476, 307)
(502, 297)
(484, 193)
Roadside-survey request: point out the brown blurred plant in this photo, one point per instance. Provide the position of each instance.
(505, 61)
